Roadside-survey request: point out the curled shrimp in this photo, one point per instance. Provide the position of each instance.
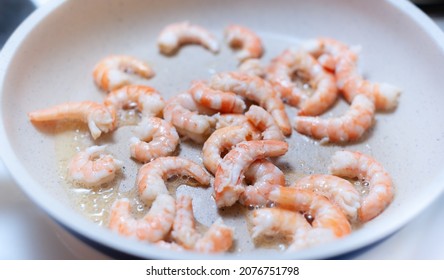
(146, 99)
(173, 36)
(224, 120)
(98, 117)
(252, 67)
(151, 176)
(264, 122)
(263, 176)
(324, 213)
(380, 186)
(337, 190)
(116, 71)
(290, 224)
(185, 114)
(229, 174)
(153, 227)
(323, 83)
(222, 140)
(244, 39)
(349, 127)
(217, 239)
(349, 81)
(221, 101)
(257, 90)
(93, 167)
(156, 138)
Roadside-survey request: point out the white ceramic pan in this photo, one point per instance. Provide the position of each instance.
(50, 57)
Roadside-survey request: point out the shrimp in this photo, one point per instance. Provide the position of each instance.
(381, 190)
(147, 100)
(217, 239)
(244, 39)
(224, 120)
(98, 117)
(292, 225)
(349, 81)
(229, 174)
(349, 127)
(184, 113)
(264, 122)
(323, 83)
(252, 67)
(263, 177)
(151, 176)
(116, 71)
(337, 190)
(325, 214)
(153, 227)
(173, 36)
(162, 136)
(221, 101)
(92, 167)
(257, 90)
(222, 140)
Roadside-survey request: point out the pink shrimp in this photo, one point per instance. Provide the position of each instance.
(153, 227)
(146, 99)
(349, 127)
(93, 167)
(291, 61)
(244, 39)
(116, 71)
(173, 36)
(189, 118)
(263, 176)
(381, 191)
(252, 67)
(98, 117)
(337, 190)
(156, 138)
(324, 213)
(217, 239)
(151, 177)
(264, 122)
(257, 90)
(221, 101)
(229, 174)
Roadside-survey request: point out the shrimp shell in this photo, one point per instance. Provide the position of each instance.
(115, 71)
(173, 36)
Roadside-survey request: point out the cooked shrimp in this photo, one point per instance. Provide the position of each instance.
(257, 90)
(365, 168)
(292, 61)
(161, 136)
(221, 141)
(290, 224)
(325, 214)
(173, 36)
(184, 113)
(262, 177)
(224, 120)
(337, 190)
(146, 99)
(98, 117)
(153, 227)
(349, 127)
(151, 177)
(221, 101)
(252, 67)
(217, 239)
(264, 122)
(229, 174)
(93, 167)
(115, 71)
(244, 39)
(349, 81)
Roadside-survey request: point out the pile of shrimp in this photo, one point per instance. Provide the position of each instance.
(240, 142)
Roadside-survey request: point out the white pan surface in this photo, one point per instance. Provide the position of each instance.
(49, 60)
